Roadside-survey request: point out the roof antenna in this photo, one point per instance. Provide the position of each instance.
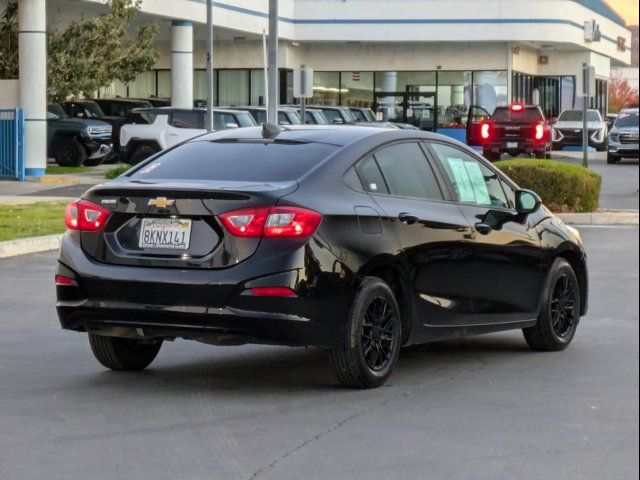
(270, 130)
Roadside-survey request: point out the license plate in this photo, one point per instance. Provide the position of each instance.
(173, 233)
(512, 144)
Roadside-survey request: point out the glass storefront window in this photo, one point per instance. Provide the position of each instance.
(200, 86)
(326, 88)
(405, 81)
(164, 83)
(454, 99)
(144, 86)
(357, 89)
(258, 96)
(490, 89)
(233, 87)
(567, 93)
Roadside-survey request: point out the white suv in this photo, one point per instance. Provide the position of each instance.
(567, 130)
(162, 128)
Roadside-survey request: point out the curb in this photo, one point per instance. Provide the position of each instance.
(53, 179)
(23, 246)
(605, 217)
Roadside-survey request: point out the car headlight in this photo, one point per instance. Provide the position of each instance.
(613, 137)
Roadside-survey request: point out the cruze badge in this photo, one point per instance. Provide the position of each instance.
(161, 202)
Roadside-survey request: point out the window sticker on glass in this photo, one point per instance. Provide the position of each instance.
(462, 180)
(151, 167)
(477, 181)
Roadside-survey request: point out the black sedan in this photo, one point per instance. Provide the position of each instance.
(359, 240)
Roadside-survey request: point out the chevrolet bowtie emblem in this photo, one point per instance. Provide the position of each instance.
(161, 202)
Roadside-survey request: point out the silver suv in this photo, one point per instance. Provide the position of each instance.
(623, 137)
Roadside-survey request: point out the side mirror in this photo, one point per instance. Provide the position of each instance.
(527, 201)
(338, 121)
(608, 122)
(231, 125)
(553, 120)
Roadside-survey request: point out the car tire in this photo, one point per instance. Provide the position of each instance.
(491, 156)
(602, 147)
(373, 334)
(69, 152)
(611, 159)
(142, 152)
(123, 354)
(560, 313)
(540, 154)
(93, 162)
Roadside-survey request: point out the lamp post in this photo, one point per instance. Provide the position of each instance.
(209, 121)
(272, 98)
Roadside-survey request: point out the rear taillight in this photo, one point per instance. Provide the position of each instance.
(539, 131)
(63, 281)
(85, 216)
(272, 292)
(271, 222)
(485, 131)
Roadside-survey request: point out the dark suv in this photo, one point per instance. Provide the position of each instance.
(76, 141)
(516, 129)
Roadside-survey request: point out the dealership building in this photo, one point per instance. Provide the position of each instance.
(432, 59)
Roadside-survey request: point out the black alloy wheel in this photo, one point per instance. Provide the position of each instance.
(560, 314)
(373, 337)
(378, 334)
(563, 306)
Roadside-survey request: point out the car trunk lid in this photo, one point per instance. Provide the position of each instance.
(175, 224)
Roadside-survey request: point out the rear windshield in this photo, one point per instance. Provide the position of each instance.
(528, 115)
(576, 116)
(625, 120)
(236, 161)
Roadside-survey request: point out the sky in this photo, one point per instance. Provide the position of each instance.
(627, 9)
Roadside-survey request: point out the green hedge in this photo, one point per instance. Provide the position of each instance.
(117, 171)
(563, 187)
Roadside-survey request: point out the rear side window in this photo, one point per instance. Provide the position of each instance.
(236, 161)
(371, 176)
(185, 120)
(406, 171)
(333, 115)
(527, 115)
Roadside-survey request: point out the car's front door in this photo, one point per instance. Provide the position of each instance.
(477, 116)
(433, 234)
(507, 277)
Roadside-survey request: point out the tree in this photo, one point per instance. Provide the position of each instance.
(621, 95)
(9, 42)
(90, 53)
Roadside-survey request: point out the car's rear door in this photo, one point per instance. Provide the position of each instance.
(433, 234)
(184, 125)
(507, 276)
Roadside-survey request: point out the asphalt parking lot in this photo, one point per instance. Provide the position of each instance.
(481, 408)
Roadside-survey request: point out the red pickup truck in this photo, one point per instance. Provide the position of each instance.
(516, 129)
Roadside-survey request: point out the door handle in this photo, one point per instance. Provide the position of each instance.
(408, 219)
(483, 228)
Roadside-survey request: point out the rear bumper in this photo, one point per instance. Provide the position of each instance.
(523, 146)
(208, 305)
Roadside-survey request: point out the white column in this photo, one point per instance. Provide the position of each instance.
(32, 46)
(181, 64)
(388, 104)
